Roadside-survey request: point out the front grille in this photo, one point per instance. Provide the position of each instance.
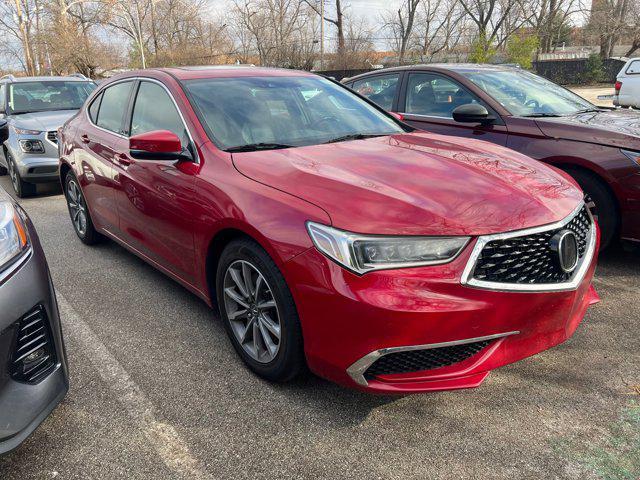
(34, 352)
(419, 360)
(530, 259)
(52, 136)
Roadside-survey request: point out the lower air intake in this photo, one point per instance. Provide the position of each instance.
(419, 360)
(34, 353)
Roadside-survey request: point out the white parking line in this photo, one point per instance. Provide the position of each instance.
(163, 437)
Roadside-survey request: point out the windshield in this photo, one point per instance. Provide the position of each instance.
(250, 113)
(524, 94)
(28, 97)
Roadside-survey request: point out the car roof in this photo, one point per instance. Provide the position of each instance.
(217, 71)
(454, 67)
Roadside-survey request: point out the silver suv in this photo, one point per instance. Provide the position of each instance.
(34, 108)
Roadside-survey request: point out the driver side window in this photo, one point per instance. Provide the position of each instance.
(435, 96)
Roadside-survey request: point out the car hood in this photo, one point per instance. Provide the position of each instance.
(617, 128)
(418, 184)
(43, 121)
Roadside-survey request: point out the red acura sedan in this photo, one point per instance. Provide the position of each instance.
(327, 233)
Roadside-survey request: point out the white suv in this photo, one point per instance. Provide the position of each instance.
(628, 85)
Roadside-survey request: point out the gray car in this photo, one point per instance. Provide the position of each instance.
(33, 367)
(35, 107)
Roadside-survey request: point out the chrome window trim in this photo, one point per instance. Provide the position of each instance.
(152, 80)
(357, 369)
(579, 272)
(419, 115)
(93, 99)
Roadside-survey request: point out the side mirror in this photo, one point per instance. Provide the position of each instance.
(4, 131)
(472, 113)
(158, 145)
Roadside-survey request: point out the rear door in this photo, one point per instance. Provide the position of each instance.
(427, 101)
(156, 198)
(101, 141)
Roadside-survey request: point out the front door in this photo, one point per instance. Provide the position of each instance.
(156, 197)
(428, 103)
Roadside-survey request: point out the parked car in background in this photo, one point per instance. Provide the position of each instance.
(628, 85)
(328, 233)
(512, 107)
(35, 107)
(33, 366)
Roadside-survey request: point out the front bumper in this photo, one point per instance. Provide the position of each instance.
(23, 406)
(346, 318)
(35, 167)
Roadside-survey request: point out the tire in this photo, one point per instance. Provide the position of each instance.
(254, 349)
(79, 213)
(23, 189)
(603, 204)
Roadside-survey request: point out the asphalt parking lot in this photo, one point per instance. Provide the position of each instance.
(158, 392)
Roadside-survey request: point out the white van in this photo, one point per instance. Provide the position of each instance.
(628, 85)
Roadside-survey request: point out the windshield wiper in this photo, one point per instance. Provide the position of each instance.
(355, 136)
(252, 147)
(589, 110)
(541, 115)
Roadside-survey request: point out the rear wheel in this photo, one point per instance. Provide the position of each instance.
(602, 203)
(258, 312)
(79, 213)
(23, 189)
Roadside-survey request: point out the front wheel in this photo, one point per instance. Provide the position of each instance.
(23, 189)
(258, 312)
(602, 204)
(79, 213)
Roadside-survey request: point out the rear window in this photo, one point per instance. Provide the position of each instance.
(633, 68)
(115, 100)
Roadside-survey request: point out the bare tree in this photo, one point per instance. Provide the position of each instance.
(338, 21)
(439, 28)
(495, 19)
(282, 32)
(634, 27)
(608, 21)
(399, 24)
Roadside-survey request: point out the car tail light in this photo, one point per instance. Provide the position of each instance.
(618, 86)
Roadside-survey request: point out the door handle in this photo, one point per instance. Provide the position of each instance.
(85, 138)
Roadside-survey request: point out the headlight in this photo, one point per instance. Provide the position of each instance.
(362, 253)
(633, 156)
(14, 239)
(31, 146)
(23, 131)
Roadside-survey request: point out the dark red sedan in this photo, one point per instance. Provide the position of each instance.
(509, 106)
(327, 233)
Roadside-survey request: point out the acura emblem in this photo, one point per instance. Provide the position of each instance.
(565, 245)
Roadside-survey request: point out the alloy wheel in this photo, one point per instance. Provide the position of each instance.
(13, 173)
(252, 311)
(77, 207)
